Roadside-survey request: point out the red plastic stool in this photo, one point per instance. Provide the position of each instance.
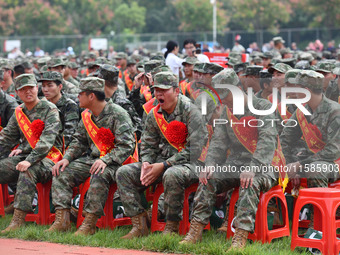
(325, 202)
(335, 184)
(2, 204)
(262, 233)
(184, 225)
(107, 220)
(8, 199)
(44, 216)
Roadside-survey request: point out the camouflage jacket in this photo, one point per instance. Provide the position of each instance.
(7, 107)
(118, 121)
(224, 138)
(73, 81)
(70, 117)
(327, 119)
(122, 101)
(70, 88)
(121, 87)
(11, 90)
(51, 135)
(332, 91)
(156, 148)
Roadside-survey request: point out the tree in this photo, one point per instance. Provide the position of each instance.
(197, 15)
(131, 18)
(325, 13)
(258, 14)
(37, 17)
(6, 19)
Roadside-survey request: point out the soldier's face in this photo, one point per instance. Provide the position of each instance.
(132, 68)
(196, 75)
(28, 94)
(265, 62)
(59, 69)
(278, 79)
(51, 90)
(167, 98)
(206, 78)
(84, 100)
(74, 72)
(188, 70)
(327, 79)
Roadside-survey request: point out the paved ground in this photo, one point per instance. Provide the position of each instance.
(19, 247)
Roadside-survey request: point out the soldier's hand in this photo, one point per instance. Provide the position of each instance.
(138, 80)
(152, 175)
(15, 153)
(204, 176)
(98, 166)
(246, 179)
(145, 167)
(23, 166)
(150, 79)
(60, 166)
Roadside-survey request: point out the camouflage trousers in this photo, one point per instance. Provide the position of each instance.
(40, 172)
(175, 179)
(247, 203)
(75, 174)
(320, 174)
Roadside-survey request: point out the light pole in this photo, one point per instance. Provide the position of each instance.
(213, 2)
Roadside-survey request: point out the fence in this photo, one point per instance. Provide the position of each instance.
(155, 42)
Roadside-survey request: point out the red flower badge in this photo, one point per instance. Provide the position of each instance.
(106, 137)
(176, 132)
(37, 127)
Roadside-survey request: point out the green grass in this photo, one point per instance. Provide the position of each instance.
(212, 243)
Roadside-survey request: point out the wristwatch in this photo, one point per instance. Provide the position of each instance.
(166, 165)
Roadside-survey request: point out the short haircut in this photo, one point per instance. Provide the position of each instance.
(99, 94)
(19, 70)
(187, 41)
(265, 81)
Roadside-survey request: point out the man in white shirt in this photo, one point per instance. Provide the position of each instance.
(190, 49)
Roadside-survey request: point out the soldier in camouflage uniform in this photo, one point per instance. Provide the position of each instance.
(252, 78)
(68, 73)
(333, 90)
(7, 105)
(266, 59)
(58, 65)
(110, 74)
(253, 180)
(75, 167)
(278, 77)
(161, 161)
(325, 68)
(25, 165)
(7, 83)
(74, 71)
(325, 116)
(51, 87)
(266, 85)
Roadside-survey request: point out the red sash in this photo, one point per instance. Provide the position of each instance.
(283, 117)
(25, 125)
(270, 98)
(314, 143)
(278, 159)
(120, 73)
(149, 105)
(128, 81)
(93, 130)
(183, 86)
(163, 124)
(145, 91)
(193, 93)
(0, 125)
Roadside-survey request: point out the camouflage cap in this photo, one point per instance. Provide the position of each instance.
(289, 61)
(90, 55)
(236, 55)
(240, 67)
(108, 72)
(264, 74)
(150, 65)
(310, 79)
(326, 54)
(27, 64)
(7, 64)
(303, 65)
(211, 68)
(306, 56)
(257, 59)
(158, 57)
(25, 80)
(165, 80)
(232, 62)
(198, 67)
(159, 69)
(98, 62)
(43, 69)
(268, 55)
(51, 76)
(137, 57)
(72, 65)
(253, 70)
(336, 71)
(121, 55)
(54, 62)
(92, 84)
(278, 39)
(227, 77)
(286, 51)
(131, 61)
(190, 61)
(140, 66)
(290, 76)
(280, 67)
(1, 75)
(324, 67)
(43, 61)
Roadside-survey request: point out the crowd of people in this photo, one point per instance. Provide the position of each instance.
(138, 121)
